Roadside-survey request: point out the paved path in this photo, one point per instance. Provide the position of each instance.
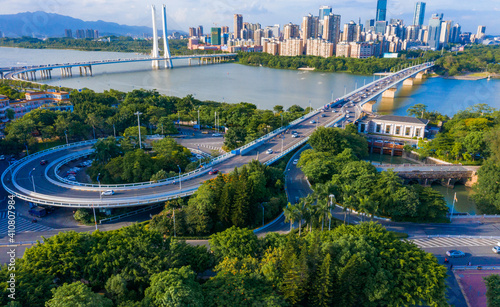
(453, 242)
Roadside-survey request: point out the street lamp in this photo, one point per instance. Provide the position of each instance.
(139, 127)
(262, 214)
(100, 197)
(180, 179)
(66, 134)
(199, 125)
(331, 204)
(32, 179)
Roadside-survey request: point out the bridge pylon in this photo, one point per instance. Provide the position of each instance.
(154, 52)
(166, 49)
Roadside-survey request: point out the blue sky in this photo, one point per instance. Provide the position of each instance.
(186, 13)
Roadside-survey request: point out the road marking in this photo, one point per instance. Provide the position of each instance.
(451, 242)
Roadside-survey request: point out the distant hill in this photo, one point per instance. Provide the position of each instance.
(43, 24)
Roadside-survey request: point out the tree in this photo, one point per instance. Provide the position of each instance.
(234, 242)
(116, 287)
(175, 287)
(133, 132)
(417, 110)
(235, 137)
(474, 143)
(76, 294)
(492, 290)
(291, 214)
(106, 149)
(322, 286)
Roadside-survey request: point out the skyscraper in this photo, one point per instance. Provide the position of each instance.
(200, 31)
(331, 29)
(481, 31)
(418, 18)
(238, 25)
(434, 31)
(291, 30)
(381, 10)
(192, 32)
(215, 36)
(349, 32)
(324, 10)
(310, 26)
(444, 38)
(67, 33)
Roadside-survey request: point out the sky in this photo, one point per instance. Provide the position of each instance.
(191, 13)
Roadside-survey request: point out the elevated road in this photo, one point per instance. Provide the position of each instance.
(29, 72)
(18, 178)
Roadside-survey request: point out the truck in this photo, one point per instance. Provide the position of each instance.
(38, 211)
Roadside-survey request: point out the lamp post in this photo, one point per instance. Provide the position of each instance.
(262, 215)
(32, 179)
(100, 198)
(180, 179)
(139, 127)
(331, 205)
(199, 125)
(66, 134)
(27, 152)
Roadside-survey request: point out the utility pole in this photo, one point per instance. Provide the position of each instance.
(199, 126)
(32, 179)
(215, 121)
(66, 134)
(139, 127)
(331, 205)
(180, 179)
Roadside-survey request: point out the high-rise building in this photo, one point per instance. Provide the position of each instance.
(275, 30)
(380, 27)
(349, 34)
(310, 25)
(331, 28)
(292, 47)
(481, 32)
(257, 37)
(381, 10)
(96, 34)
(291, 30)
(444, 37)
(370, 24)
(215, 37)
(67, 33)
(434, 31)
(89, 33)
(200, 31)
(238, 25)
(80, 33)
(319, 47)
(224, 29)
(192, 32)
(455, 33)
(324, 10)
(418, 17)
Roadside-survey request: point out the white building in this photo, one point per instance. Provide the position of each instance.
(399, 126)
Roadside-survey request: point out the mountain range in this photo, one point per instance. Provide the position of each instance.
(42, 24)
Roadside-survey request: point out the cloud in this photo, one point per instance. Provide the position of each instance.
(186, 13)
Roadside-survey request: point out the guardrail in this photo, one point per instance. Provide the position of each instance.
(121, 216)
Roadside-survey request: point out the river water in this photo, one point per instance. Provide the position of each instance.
(261, 86)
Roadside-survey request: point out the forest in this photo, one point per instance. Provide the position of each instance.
(363, 265)
(334, 166)
(116, 44)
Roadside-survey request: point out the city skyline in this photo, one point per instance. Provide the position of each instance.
(205, 13)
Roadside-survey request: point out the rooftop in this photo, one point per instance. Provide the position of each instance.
(402, 119)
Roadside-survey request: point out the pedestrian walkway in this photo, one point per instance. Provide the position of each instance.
(4, 214)
(209, 146)
(23, 225)
(451, 242)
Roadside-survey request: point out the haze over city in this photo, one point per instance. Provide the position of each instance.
(183, 14)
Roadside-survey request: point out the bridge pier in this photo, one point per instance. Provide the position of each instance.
(420, 75)
(408, 82)
(390, 93)
(368, 107)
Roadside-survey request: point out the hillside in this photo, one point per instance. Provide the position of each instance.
(42, 24)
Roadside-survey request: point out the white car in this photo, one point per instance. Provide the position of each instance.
(496, 249)
(108, 193)
(297, 161)
(216, 134)
(269, 151)
(295, 135)
(312, 122)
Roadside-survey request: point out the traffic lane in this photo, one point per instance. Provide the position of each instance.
(476, 255)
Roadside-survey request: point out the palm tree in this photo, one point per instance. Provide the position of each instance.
(309, 210)
(323, 211)
(348, 197)
(290, 215)
(364, 205)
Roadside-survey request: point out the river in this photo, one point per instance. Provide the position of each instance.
(261, 86)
